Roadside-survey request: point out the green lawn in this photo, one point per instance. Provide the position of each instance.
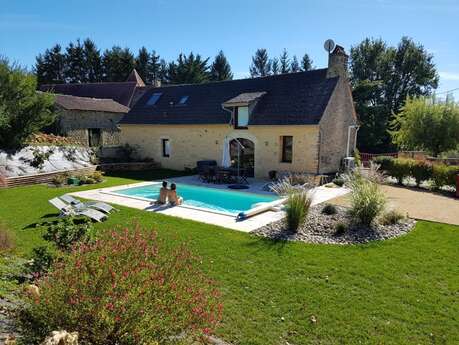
(402, 291)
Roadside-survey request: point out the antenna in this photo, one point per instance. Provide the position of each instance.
(329, 45)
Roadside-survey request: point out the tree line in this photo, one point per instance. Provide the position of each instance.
(83, 62)
(263, 66)
(382, 76)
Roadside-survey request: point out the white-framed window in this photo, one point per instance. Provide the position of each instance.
(242, 117)
(165, 147)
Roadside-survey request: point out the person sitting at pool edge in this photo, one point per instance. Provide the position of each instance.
(163, 193)
(174, 199)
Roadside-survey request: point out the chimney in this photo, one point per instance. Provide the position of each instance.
(337, 63)
(157, 82)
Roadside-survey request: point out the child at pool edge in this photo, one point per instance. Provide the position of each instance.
(163, 192)
(174, 199)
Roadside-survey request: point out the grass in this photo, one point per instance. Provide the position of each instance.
(401, 291)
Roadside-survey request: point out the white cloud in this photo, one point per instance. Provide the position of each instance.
(449, 75)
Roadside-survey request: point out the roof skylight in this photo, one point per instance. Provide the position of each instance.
(183, 100)
(154, 98)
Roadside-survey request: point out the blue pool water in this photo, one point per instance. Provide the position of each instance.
(215, 199)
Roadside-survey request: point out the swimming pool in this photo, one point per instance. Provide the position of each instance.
(219, 200)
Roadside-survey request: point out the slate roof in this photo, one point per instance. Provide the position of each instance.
(90, 104)
(120, 92)
(291, 99)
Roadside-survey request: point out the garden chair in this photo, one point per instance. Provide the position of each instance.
(68, 210)
(100, 206)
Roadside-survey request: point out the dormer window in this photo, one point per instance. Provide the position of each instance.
(241, 115)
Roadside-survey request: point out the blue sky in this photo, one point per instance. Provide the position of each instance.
(238, 27)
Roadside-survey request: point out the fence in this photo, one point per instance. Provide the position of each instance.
(365, 158)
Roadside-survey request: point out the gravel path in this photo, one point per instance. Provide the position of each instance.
(321, 228)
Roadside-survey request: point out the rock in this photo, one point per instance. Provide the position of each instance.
(321, 228)
(33, 291)
(61, 338)
(10, 340)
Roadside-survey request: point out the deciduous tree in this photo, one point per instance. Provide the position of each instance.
(382, 77)
(424, 124)
(23, 110)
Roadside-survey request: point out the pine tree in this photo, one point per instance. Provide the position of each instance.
(142, 65)
(92, 61)
(284, 62)
(118, 63)
(275, 66)
(163, 71)
(221, 69)
(261, 65)
(294, 66)
(155, 67)
(306, 63)
(49, 67)
(189, 69)
(75, 67)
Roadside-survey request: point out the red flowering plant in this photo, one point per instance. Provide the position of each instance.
(125, 288)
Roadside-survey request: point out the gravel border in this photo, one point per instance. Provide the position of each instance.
(320, 228)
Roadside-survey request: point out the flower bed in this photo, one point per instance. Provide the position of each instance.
(325, 228)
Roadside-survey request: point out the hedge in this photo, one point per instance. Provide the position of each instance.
(401, 168)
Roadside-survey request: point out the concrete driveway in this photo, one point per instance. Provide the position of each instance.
(417, 203)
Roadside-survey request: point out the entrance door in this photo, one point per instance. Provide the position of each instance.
(246, 154)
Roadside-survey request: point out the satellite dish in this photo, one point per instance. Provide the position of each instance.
(329, 45)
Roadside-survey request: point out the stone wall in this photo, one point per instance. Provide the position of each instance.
(75, 124)
(338, 116)
(191, 143)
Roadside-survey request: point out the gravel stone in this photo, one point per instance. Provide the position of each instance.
(320, 228)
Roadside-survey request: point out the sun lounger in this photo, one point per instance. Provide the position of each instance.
(100, 206)
(69, 210)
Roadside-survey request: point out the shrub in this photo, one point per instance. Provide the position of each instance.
(6, 239)
(444, 175)
(297, 209)
(357, 158)
(301, 179)
(340, 228)
(97, 176)
(391, 217)
(384, 162)
(66, 231)
(400, 168)
(284, 187)
(125, 288)
(421, 171)
(58, 180)
(367, 200)
(40, 158)
(339, 181)
(329, 209)
(41, 261)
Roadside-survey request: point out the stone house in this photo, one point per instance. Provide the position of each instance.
(90, 121)
(90, 112)
(298, 122)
